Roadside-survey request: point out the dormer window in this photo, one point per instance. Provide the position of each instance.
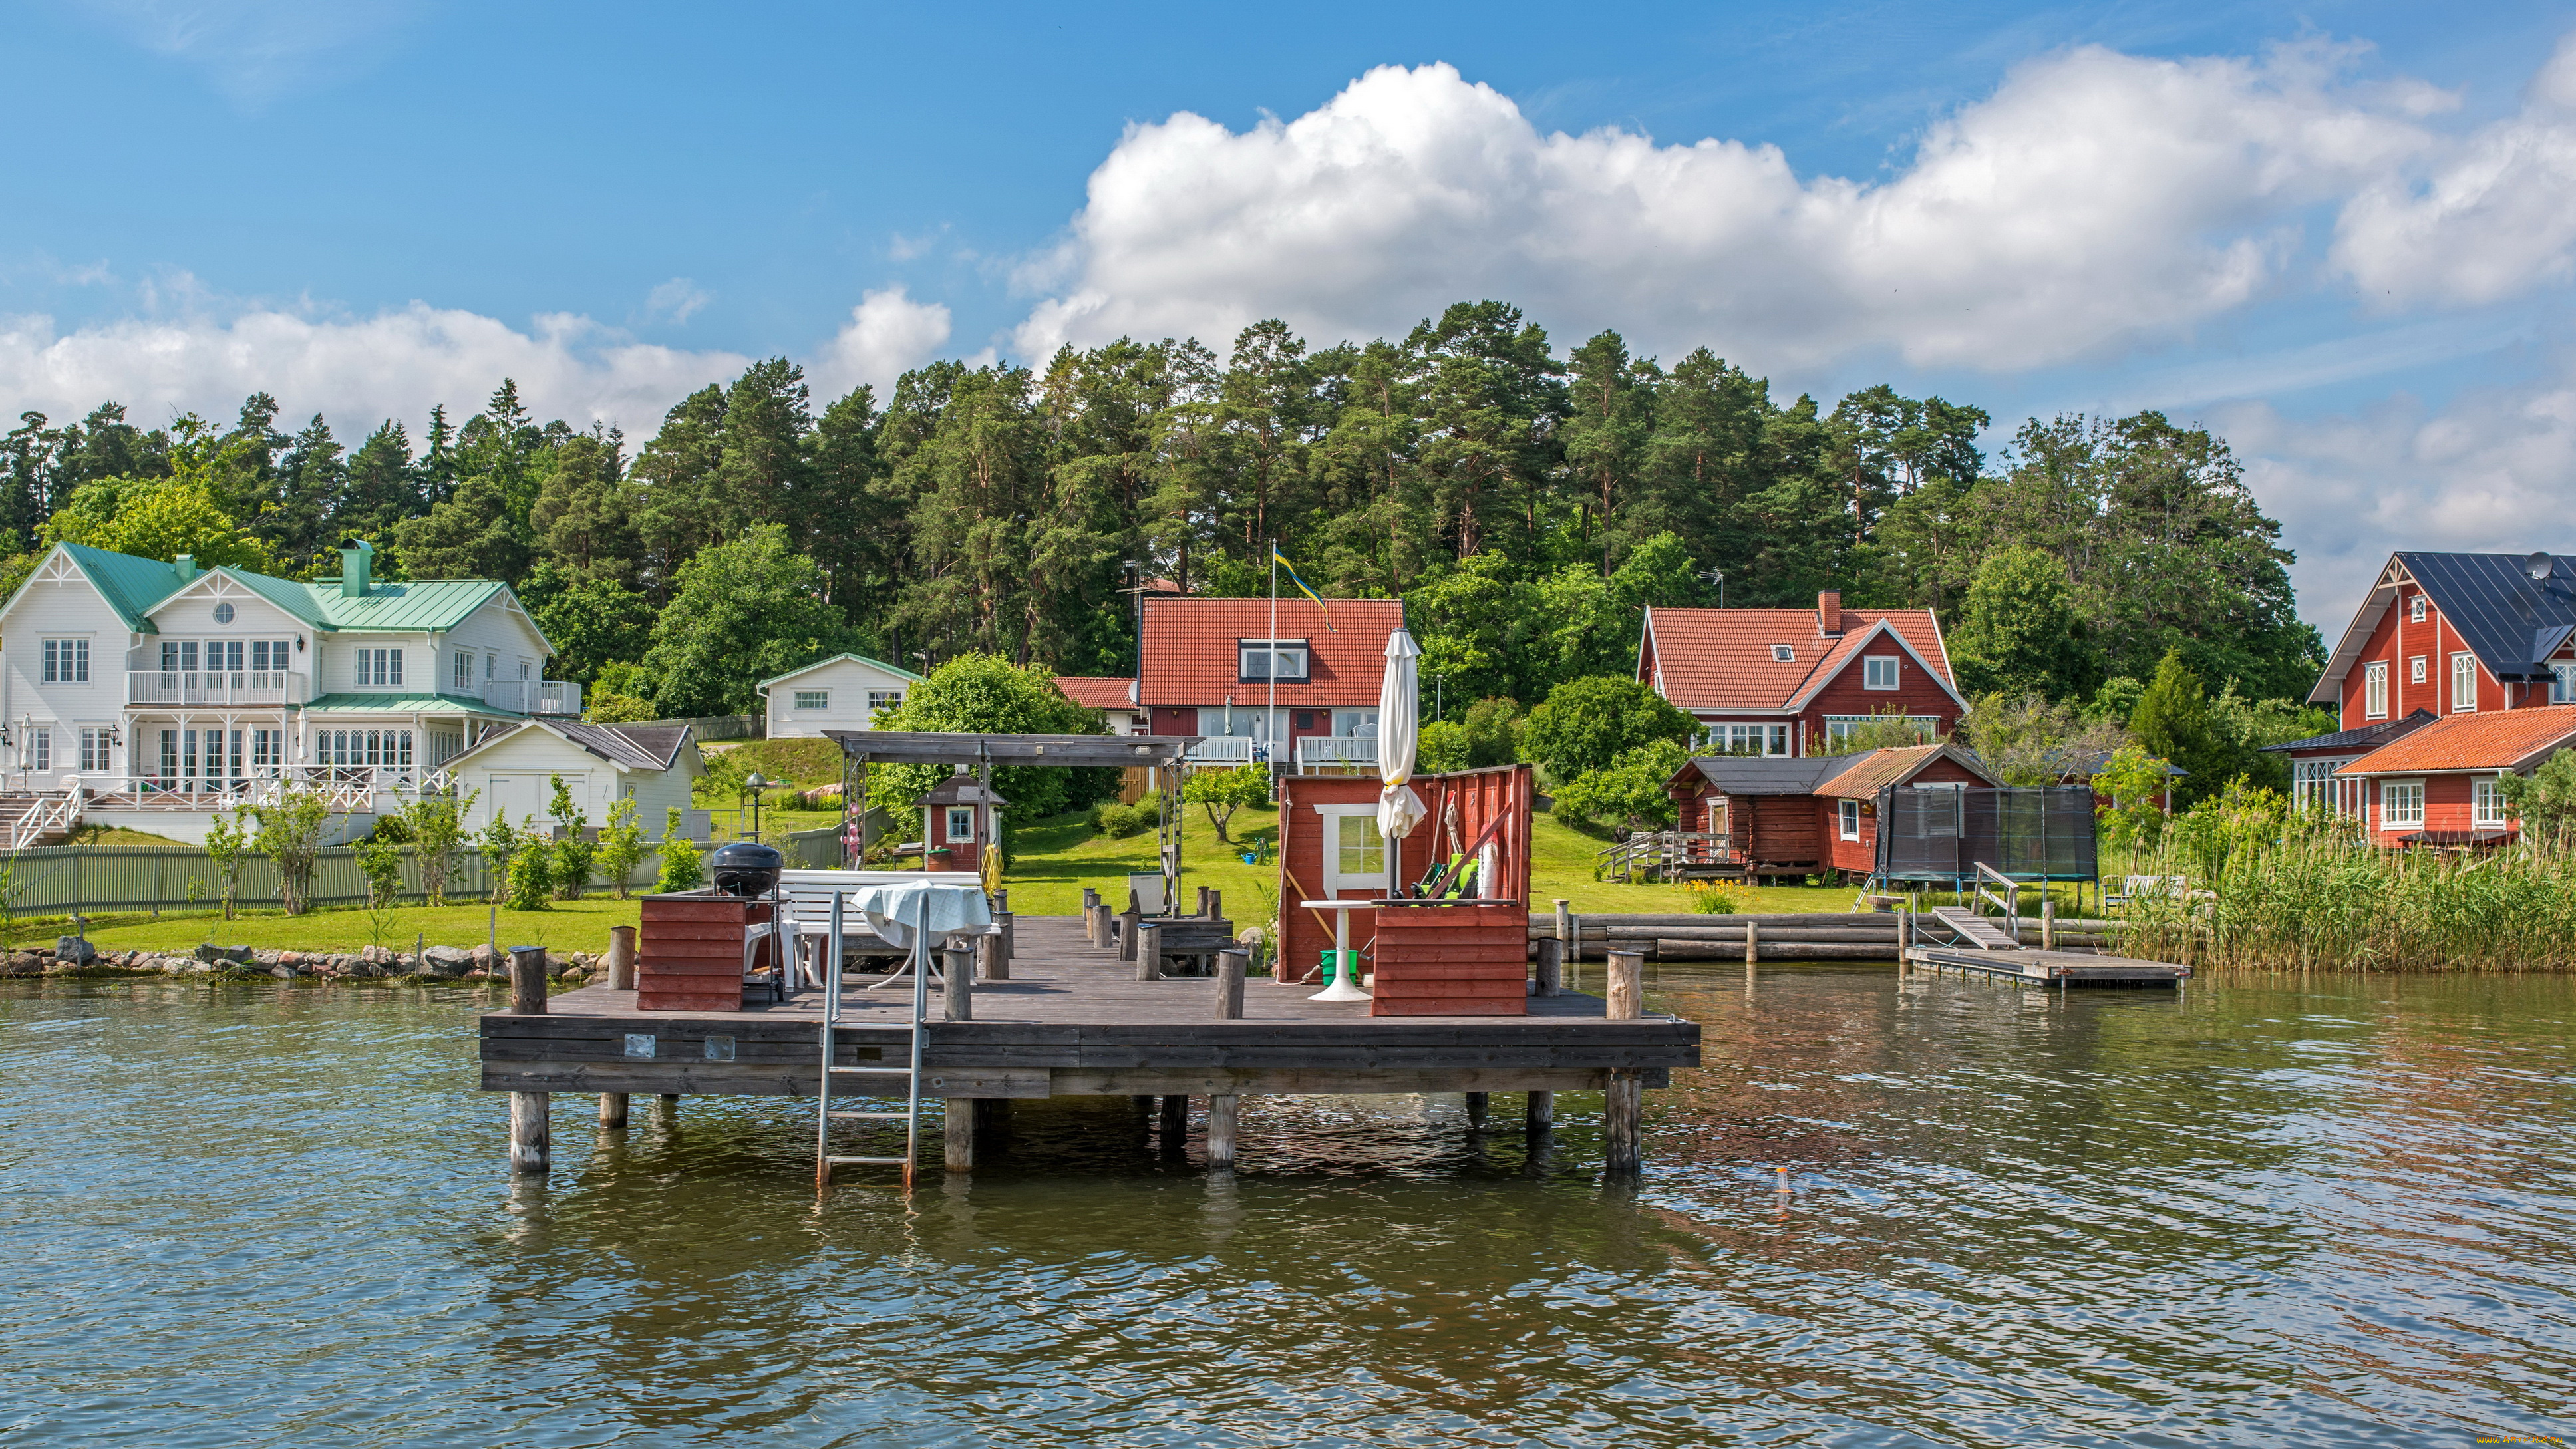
(1265, 661)
(1784, 654)
(2415, 610)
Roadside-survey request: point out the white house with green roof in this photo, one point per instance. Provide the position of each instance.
(144, 685)
(840, 693)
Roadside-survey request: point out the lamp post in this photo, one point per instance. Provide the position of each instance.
(755, 783)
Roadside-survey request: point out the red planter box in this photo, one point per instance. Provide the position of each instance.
(1458, 958)
(688, 953)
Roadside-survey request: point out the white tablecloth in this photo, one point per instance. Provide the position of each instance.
(898, 912)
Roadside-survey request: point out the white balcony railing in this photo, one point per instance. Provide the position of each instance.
(343, 787)
(215, 688)
(534, 696)
(1328, 750)
(1227, 750)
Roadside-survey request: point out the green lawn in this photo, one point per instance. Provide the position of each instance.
(580, 925)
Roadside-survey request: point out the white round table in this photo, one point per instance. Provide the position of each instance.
(1346, 986)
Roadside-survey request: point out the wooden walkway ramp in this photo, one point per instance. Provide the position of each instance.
(1975, 931)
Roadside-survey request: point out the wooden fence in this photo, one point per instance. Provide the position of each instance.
(55, 880)
(706, 727)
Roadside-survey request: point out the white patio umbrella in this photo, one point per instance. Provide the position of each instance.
(1398, 808)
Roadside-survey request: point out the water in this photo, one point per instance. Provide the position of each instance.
(2273, 1212)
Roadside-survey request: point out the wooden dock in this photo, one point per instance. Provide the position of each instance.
(2046, 968)
(1073, 1020)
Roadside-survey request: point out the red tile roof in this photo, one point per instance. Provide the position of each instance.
(1097, 692)
(2505, 740)
(1191, 657)
(1717, 659)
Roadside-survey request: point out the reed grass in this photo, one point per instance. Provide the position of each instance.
(2277, 891)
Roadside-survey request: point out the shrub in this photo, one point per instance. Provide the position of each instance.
(1120, 821)
(437, 828)
(621, 845)
(290, 835)
(225, 842)
(498, 843)
(1222, 792)
(1633, 787)
(573, 850)
(532, 872)
(1588, 724)
(683, 869)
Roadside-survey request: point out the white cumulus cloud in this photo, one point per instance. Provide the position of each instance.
(2094, 200)
(887, 334)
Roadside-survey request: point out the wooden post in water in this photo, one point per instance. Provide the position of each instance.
(957, 1118)
(1225, 1112)
(1176, 1121)
(1551, 967)
(1905, 939)
(1478, 1105)
(1623, 1100)
(1149, 951)
(1542, 1111)
(528, 1144)
(1752, 942)
(2047, 921)
(621, 958)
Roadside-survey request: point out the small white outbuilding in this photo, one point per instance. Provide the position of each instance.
(601, 764)
(839, 693)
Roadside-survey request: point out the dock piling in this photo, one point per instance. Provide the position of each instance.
(1224, 1116)
(1542, 1111)
(1479, 1104)
(1623, 1098)
(1175, 1123)
(1551, 967)
(529, 1149)
(1230, 969)
(957, 978)
(1752, 943)
(1128, 921)
(621, 958)
(1148, 938)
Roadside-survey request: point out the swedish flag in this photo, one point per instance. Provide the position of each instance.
(1290, 570)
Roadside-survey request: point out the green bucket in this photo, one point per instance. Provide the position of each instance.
(1324, 964)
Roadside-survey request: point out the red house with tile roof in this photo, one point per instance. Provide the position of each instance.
(1782, 682)
(2437, 785)
(1114, 696)
(2438, 635)
(1215, 667)
(1806, 815)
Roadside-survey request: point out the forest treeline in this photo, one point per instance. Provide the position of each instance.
(1526, 503)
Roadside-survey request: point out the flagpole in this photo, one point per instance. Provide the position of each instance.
(1270, 725)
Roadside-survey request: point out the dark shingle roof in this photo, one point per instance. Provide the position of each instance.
(2512, 622)
(2369, 737)
(641, 747)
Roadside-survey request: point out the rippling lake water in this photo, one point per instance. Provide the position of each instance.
(2331, 1210)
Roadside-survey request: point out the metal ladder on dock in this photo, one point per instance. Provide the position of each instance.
(825, 1114)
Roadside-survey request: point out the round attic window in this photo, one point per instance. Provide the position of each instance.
(223, 613)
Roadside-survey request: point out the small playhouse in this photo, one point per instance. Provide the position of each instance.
(958, 818)
(1446, 930)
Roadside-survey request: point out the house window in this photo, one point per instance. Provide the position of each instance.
(2415, 610)
(2415, 670)
(267, 749)
(1265, 660)
(2562, 684)
(1839, 726)
(1878, 671)
(363, 748)
(93, 750)
(961, 822)
(491, 667)
(2464, 682)
(1747, 739)
(1784, 654)
(464, 671)
(223, 613)
(1848, 812)
(379, 668)
(2374, 690)
(2314, 787)
(1358, 850)
(2486, 803)
(268, 656)
(40, 749)
(2401, 803)
(1355, 724)
(66, 661)
(223, 656)
(813, 699)
(885, 699)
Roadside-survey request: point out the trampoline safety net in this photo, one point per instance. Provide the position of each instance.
(1945, 834)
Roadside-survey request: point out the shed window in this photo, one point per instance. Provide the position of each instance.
(961, 822)
(1878, 671)
(813, 699)
(885, 699)
(1849, 811)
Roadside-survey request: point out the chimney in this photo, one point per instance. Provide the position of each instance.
(1829, 611)
(186, 564)
(357, 565)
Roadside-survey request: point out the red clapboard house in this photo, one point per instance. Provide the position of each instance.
(2440, 785)
(1209, 668)
(2439, 636)
(1804, 816)
(1785, 682)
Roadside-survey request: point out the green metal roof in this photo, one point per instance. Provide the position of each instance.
(130, 585)
(896, 670)
(408, 704)
(422, 606)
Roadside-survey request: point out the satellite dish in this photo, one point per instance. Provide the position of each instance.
(2540, 566)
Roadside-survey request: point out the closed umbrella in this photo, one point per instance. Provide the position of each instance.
(1399, 731)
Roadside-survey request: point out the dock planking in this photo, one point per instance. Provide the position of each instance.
(1072, 1020)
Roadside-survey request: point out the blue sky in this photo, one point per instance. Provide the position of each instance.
(2341, 233)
